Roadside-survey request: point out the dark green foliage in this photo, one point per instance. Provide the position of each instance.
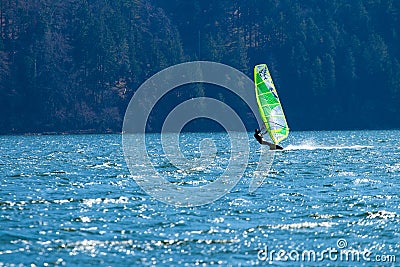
(69, 65)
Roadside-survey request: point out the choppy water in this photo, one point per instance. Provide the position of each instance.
(70, 200)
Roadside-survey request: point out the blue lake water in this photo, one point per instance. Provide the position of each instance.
(70, 200)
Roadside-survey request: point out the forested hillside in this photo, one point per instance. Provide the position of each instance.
(73, 65)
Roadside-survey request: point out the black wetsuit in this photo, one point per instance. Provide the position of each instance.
(259, 138)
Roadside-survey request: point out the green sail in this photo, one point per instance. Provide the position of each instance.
(269, 106)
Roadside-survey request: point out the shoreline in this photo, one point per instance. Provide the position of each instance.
(94, 132)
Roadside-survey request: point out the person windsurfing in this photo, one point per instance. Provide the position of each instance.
(259, 137)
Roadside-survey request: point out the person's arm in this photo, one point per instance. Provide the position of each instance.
(263, 131)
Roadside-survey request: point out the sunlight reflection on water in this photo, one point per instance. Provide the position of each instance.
(70, 200)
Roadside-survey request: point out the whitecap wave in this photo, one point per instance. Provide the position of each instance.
(382, 214)
(302, 225)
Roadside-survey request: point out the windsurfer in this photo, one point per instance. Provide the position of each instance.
(259, 137)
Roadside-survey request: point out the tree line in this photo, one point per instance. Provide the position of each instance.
(72, 65)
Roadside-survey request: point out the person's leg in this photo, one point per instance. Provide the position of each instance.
(271, 146)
